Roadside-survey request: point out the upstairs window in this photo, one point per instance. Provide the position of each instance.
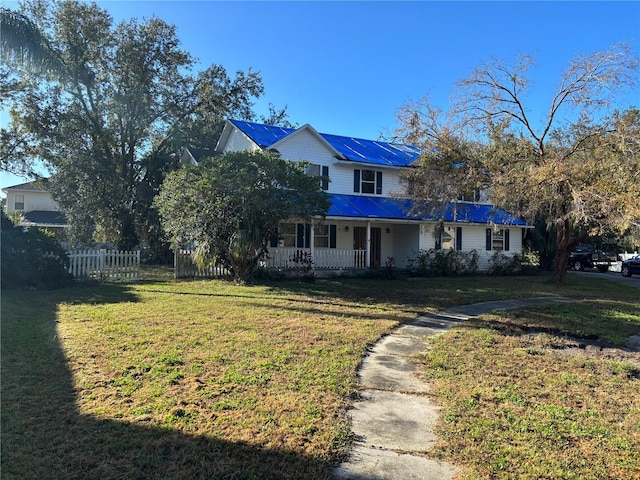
(470, 196)
(367, 181)
(19, 202)
(315, 170)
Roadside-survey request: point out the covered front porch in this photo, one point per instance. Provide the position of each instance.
(342, 244)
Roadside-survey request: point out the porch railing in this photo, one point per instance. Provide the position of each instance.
(295, 258)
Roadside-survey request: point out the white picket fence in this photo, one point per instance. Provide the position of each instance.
(104, 265)
(184, 266)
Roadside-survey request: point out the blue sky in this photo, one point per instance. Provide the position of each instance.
(346, 67)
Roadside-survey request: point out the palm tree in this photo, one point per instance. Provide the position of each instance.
(22, 41)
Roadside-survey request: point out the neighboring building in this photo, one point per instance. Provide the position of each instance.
(370, 218)
(191, 156)
(34, 206)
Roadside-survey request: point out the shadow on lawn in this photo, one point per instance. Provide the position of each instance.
(45, 436)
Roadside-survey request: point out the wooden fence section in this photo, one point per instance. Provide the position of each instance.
(105, 265)
(184, 267)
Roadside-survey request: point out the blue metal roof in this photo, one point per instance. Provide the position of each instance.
(353, 149)
(372, 151)
(263, 135)
(356, 206)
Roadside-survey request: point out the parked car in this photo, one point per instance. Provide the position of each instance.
(585, 256)
(631, 266)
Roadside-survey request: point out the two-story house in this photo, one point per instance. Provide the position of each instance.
(35, 207)
(370, 218)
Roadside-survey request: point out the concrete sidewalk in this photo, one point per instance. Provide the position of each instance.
(393, 420)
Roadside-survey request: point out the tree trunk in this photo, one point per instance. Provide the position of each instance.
(563, 246)
(562, 264)
(128, 236)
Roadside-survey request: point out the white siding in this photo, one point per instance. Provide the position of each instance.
(387, 247)
(474, 238)
(32, 201)
(342, 179)
(426, 241)
(238, 142)
(306, 146)
(344, 240)
(405, 243)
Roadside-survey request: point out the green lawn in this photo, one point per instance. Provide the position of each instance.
(205, 379)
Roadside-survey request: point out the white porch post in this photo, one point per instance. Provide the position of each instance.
(367, 259)
(312, 242)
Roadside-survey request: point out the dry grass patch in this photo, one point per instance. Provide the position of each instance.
(516, 405)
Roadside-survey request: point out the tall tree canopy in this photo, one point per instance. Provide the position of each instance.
(22, 41)
(229, 206)
(578, 168)
(110, 122)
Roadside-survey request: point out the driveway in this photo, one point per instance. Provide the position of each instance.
(633, 281)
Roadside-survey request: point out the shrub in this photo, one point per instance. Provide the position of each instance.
(530, 263)
(390, 265)
(501, 264)
(32, 258)
(446, 262)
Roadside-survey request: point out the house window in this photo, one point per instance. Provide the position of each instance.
(321, 236)
(287, 235)
(470, 196)
(19, 202)
(324, 236)
(367, 181)
(497, 240)
(315, 170)
(444, 240)
(293, 235)
(298, 235)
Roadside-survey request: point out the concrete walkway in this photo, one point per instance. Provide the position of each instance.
(393, 420)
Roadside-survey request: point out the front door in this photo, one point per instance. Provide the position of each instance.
(376, 240)
(360, 243)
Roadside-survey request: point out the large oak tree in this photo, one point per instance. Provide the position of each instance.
(577, 168)
(111, 117)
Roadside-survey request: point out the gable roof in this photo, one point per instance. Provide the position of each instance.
(359, 207)
(35, 186)
(308, 128)
(345, 148)
(192, 155)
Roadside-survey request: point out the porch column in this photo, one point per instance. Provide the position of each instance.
(367, 258)
(312, 249)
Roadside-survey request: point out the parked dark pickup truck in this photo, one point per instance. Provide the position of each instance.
(584, 256)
